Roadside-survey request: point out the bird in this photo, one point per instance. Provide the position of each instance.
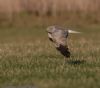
(58, 35)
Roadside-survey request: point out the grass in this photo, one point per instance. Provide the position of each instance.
(27, 57)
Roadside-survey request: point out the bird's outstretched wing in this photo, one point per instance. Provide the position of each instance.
(71, 31)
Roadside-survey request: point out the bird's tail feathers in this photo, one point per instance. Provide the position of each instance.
(71, 31)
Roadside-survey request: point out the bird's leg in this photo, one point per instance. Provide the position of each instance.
(64, 62)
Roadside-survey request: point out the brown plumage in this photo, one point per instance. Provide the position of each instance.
(58, 35)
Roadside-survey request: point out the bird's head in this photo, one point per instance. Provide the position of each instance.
(50, 29)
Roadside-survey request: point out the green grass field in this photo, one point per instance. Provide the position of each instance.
(27, 57)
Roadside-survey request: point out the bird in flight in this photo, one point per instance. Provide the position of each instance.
(58, 35)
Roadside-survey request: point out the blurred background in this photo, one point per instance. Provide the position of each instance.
(28, 57)
(47, 12)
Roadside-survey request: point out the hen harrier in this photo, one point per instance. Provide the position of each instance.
(58, 35)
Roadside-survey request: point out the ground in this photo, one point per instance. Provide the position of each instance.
(27, 57)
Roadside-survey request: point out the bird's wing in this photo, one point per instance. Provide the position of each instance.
(60, 39)
(71, 31)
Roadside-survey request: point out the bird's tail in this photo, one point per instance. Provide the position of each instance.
(71, 31)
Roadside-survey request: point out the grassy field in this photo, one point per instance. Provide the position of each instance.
(27, 57)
